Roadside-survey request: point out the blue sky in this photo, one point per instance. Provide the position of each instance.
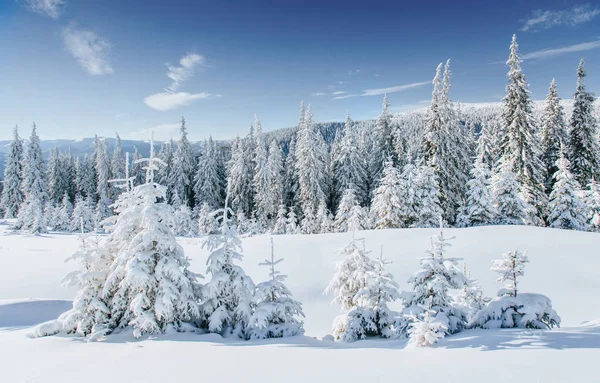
(79, 67)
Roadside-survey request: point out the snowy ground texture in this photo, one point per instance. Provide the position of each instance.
(564, 265)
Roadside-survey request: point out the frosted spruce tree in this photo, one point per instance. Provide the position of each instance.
(103, 209)
(13, 194)
(117, 165)
(82, 218)
(345, 210)
(553, 134)
(487, 150)
(148, 287)
(383, 148)
(277, 314)
(239, 182)
(291, 225)
(34, 187)
(209, 179)
(479, 209)
(290, 184)
(409, 206)
(427, 211)
(276, 175)
(56, 184)
(387, 199)
(583, 134)
(521, 144)
(86, 178)
(312, 165)
(324, 219)
(62, 215)
(426, 329)
(207, 223)
(280, 220)
(510, 207)
(566, 209)
(166, 155)
(227, 296)
(183, 167)
(349, 167)
(261, 183)
(431, 285)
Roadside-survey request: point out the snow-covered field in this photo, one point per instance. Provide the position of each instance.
(564, 266)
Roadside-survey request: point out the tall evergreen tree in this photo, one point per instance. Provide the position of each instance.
(276, 174)
(208, 182)
(34, 187)
(12, 193)
(383, 144)
(553, 134)
(290, 184)
(583, 135)
(56, 184)
(427, 197)
(103, 209)
(387, 199)
(510, 207)
(117, 165)
(311, 163)
(521, 143)
(349, 166)
(264, 204)
(183, 168)
(480, 201)
(166, 155)
(238, 179)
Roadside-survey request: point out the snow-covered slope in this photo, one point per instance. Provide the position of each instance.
(564, 265)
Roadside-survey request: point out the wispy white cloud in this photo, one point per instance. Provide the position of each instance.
(161, 132)
(318, 94)
(353, 72)
(545, 53)
(50, 8)
(346, 96)
(185, 70)
(545, 19)
(394, 89)
(170, 100)
(90, 50)
(339, 92)
(410, 107)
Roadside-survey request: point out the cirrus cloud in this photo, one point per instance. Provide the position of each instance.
(164, 101)
(50, 8)
(90, 50)
(545, 19)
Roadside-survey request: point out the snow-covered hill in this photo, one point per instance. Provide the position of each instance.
(564, 266)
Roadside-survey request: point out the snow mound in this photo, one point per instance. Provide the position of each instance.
(522, 311)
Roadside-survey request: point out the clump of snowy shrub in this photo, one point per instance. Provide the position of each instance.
(426, 329)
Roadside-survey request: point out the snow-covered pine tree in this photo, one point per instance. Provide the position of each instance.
(349, 167)
(227, 296)
(344, 210)
(521, 142)
(510, 207)
(277, 314)
(149, 286)
(409, 206)
(63, 212)
(566, 209)
(86, 177)
(470, 296)
(290, 184)
(208, 182)
(164, 173)
(207, 223)
(183, 223)
(324, 219)
(12, 193)
(353, 273)
(82, 216)
(387, 199)
(56, 184)
(426, 329)
(383, 145)
(34, 187)
(261, 183)
(291, 224)
(583, 134)
(238, 179)
(103, 209)
(486, 145)
(137, 170)
(309, 223)
(276, 174)
(69, 173)
(553, 134)
(427, 211)
(479, 208)
(280, 220)
(431, 285)
(312, 164)
(117, 166)
(183, 167)
(510, 267)
(592, 200)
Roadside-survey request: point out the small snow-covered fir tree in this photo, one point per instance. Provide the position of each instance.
(207, 224)
(383, 145)
(510, 207)
(103, 209)
(117, 165)
(291, 223)
(358, 219)
(309, 223)
(324, 219)
(261, 183)
(276, 314)
(12, 194)
(209, 180)
(82, 218)
(553, 134)
(227, 296)
(183, 167)
(183, 223)
(592, 200)
(387, 199)
(239, 180)
(566, 209)
(470, 296)
(280, 221)
(479, 208)
(431, 286)
(62, 216)
(347, 202)
(512, 308)
(426, 329)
